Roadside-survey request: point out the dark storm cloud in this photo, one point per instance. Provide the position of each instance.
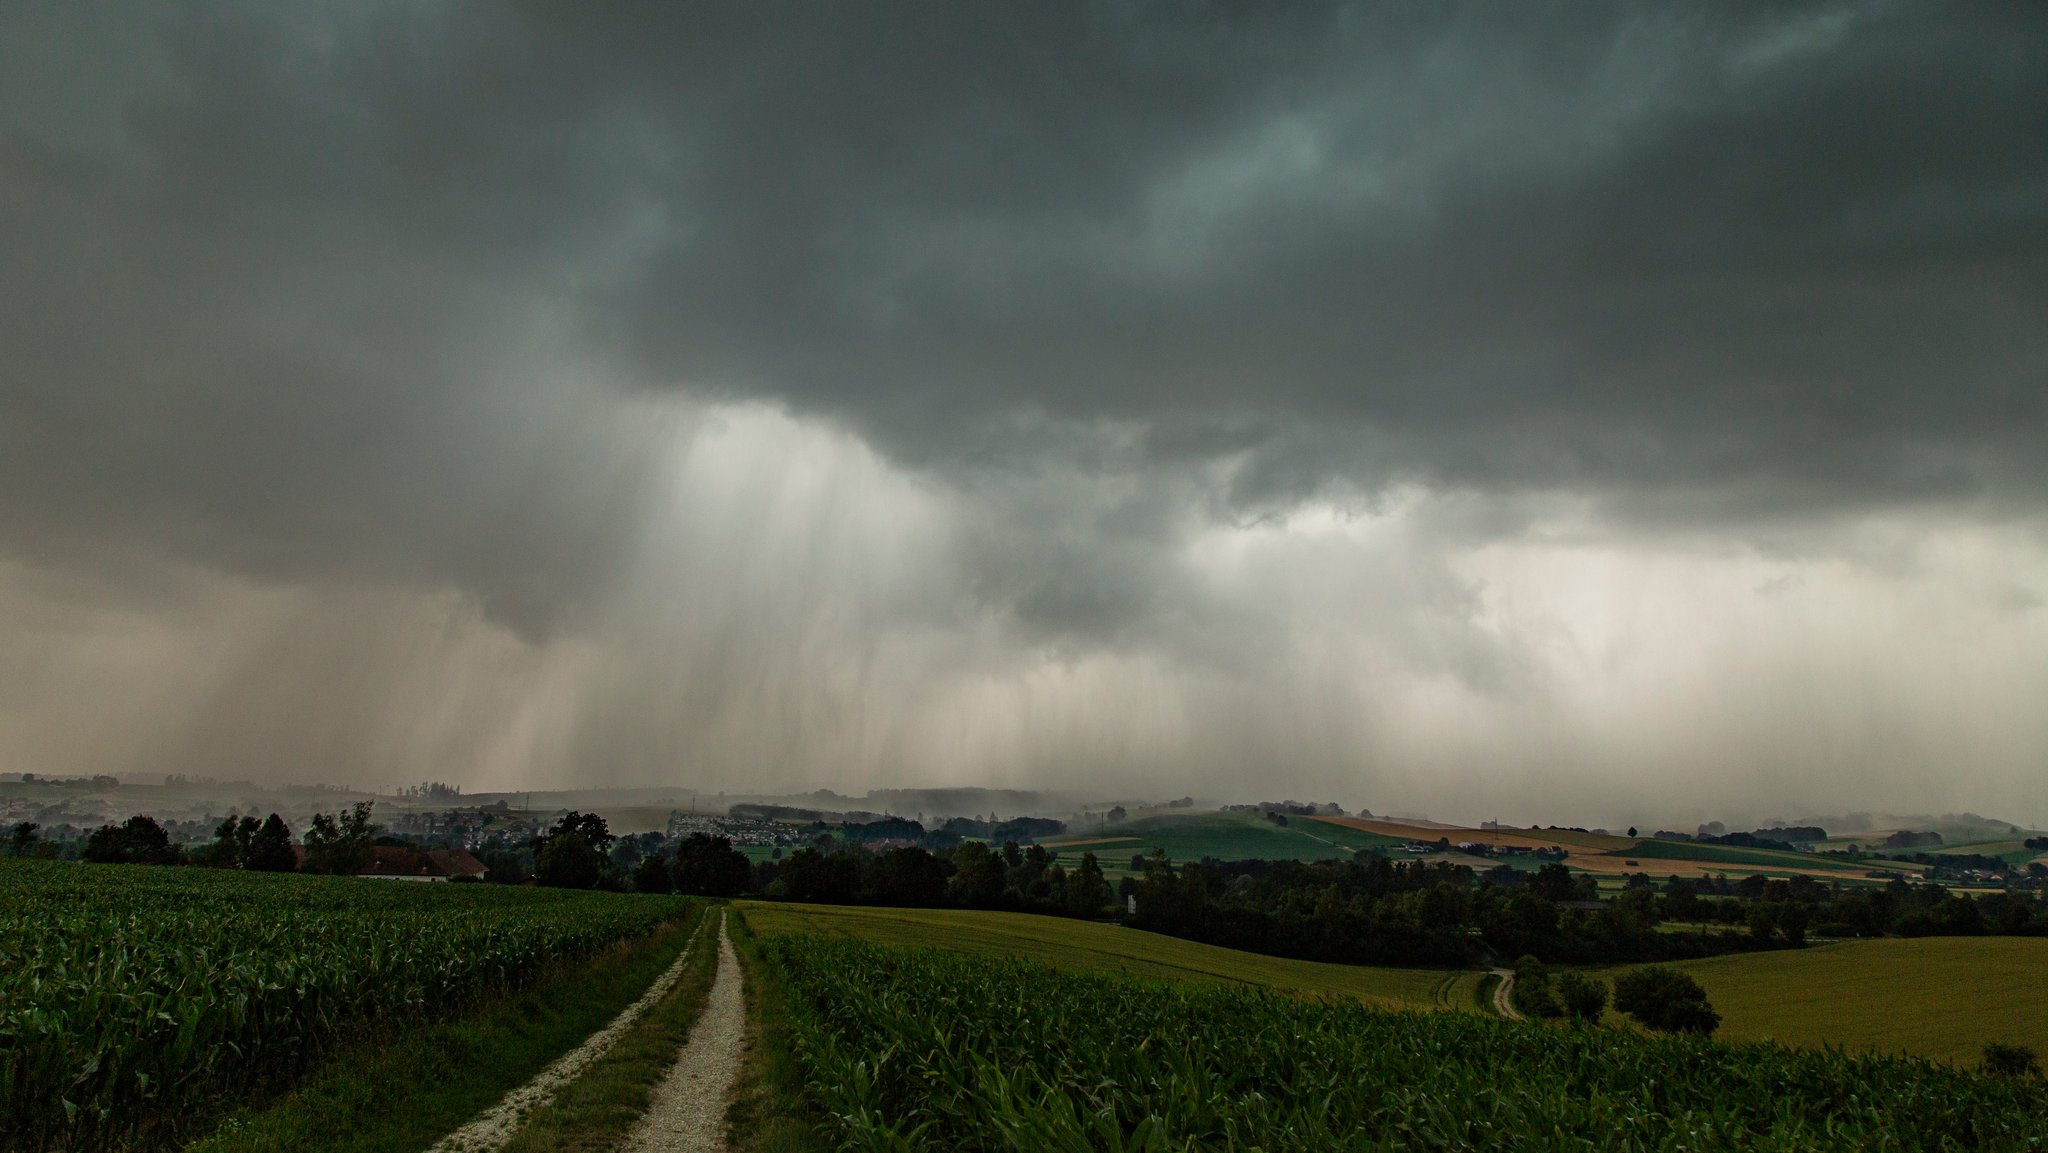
(1756, 262)
(835, 391)
(1724, 264)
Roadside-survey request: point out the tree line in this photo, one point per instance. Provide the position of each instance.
(1366, 909)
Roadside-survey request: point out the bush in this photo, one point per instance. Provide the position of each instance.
(1665, 1000)
(1533, 998)
(1584, 998)
(2010, 1061)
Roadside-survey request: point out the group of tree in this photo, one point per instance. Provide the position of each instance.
(139, 840)
(1570, 994)
(702, 865)
(576, 854)
(1665, 1000)
(26, 840)
(1367, 909)
(972, 874)
(340, 843)
(246, 843)
(1795, 906)
(1371, 910)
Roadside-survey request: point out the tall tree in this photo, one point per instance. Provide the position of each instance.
(270, 848)
(341, 844)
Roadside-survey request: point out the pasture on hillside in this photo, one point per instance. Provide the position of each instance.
(1193, 836)
(1939, 997)
(1072, 944)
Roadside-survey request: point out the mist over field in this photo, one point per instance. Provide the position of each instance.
(1476, 411)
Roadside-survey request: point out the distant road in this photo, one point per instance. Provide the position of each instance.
(1501, 1004)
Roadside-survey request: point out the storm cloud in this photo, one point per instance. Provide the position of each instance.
(1603, 409)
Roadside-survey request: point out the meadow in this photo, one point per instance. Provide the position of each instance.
(1088, 945)
(1193, 836)
(1939, 997)
(135, 998)
(924, 1049)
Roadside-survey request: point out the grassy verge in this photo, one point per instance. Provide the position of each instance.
(400, 1092)
(1482, 994)
(597, 1110)
(768, 1111)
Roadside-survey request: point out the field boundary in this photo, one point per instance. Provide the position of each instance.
(403, 1088)
(495, 1127)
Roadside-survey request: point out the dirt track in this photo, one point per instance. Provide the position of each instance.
(687, 1112)
(1501, 1002)
(496, 1125)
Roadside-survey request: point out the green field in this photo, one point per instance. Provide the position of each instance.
(1734, 855)
(130, 995)
(1071, 944)
(2012, 851)
(1940, 997)
(925, 1049)
(1191, 837)
(1224, 836)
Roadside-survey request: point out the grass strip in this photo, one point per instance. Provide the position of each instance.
(401, 1091)
(769, 1113)
(1482, 994)
(595, 1112)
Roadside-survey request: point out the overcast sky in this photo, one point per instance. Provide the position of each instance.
(1573, 413)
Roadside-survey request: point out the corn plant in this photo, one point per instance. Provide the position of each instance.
(134, 997)
(926, 1050)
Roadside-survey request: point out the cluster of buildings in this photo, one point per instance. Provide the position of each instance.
(739, 830)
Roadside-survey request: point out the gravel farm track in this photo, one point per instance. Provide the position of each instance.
(687, 1113)
(495, 1127)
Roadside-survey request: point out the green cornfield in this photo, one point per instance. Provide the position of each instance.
(914, 1049)
(133, 998)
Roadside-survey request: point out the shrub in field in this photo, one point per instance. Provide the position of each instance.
(2010, 1061)
(134, 999)
(1583, 998)
(910, 1050)
(1665, 1000)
